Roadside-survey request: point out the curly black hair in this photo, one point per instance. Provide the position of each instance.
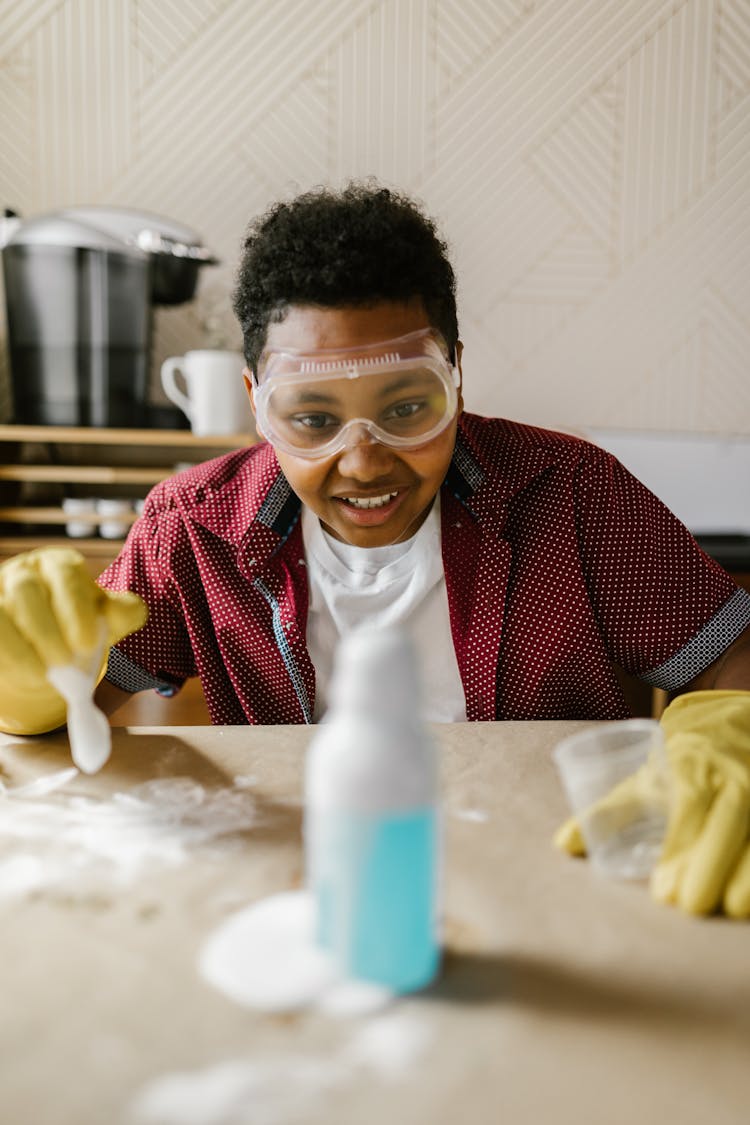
(363, 244)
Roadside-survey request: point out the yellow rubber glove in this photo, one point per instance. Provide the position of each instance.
(705, 860)
(52, 613)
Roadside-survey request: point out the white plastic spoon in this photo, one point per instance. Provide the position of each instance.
(88, 728)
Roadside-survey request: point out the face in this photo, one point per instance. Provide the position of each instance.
(367, 470)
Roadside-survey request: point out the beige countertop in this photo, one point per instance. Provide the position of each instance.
(563, 998)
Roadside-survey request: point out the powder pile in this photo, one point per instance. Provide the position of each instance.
(277, 1090)
(265, 957)
(57, 839)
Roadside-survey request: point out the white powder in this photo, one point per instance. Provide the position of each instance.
(41, 786)
(353, 998)
(278, 1090)
(23, 874)
(236, 1092)
(389, 1045)
(479, 816)
(69, 839)
(265, 957)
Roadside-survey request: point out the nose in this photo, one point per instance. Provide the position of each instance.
(364, 457)
(358, 432)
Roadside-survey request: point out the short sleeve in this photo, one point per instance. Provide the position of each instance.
(665, 609)
(160, 654)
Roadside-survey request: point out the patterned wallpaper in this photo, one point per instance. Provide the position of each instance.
(588, 160)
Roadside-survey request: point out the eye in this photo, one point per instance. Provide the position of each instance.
(314, 421)
(404, 410)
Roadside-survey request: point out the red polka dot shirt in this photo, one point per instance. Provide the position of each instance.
(558, 564)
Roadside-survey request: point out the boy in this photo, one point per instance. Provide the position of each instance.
(525, 563)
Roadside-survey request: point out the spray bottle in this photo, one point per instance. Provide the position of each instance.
(371, 820)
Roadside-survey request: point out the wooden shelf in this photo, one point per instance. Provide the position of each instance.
(40, 514)
(98, 548)
(85, 474)
(32, 484)
(85, 435)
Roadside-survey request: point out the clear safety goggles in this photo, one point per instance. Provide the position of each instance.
(400, 392)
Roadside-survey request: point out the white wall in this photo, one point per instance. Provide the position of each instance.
(589, 161)
(704, 479)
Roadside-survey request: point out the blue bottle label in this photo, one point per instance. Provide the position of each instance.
(375, 881)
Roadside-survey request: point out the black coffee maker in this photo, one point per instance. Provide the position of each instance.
(80, 286)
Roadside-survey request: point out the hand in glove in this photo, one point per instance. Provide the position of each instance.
(53, 615)
(705, 859)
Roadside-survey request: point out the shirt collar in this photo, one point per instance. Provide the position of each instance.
(493, 461)
(245, 500)
(253, 506)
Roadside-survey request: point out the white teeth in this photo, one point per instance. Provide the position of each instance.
(369, 501)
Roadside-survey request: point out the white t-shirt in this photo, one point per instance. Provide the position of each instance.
(401, 584)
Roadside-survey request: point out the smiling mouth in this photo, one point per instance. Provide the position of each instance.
(364, 503)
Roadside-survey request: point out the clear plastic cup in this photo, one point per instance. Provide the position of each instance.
(623, 817)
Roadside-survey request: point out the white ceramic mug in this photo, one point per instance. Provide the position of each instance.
(215, 399)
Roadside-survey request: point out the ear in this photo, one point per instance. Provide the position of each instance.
(250, 388)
